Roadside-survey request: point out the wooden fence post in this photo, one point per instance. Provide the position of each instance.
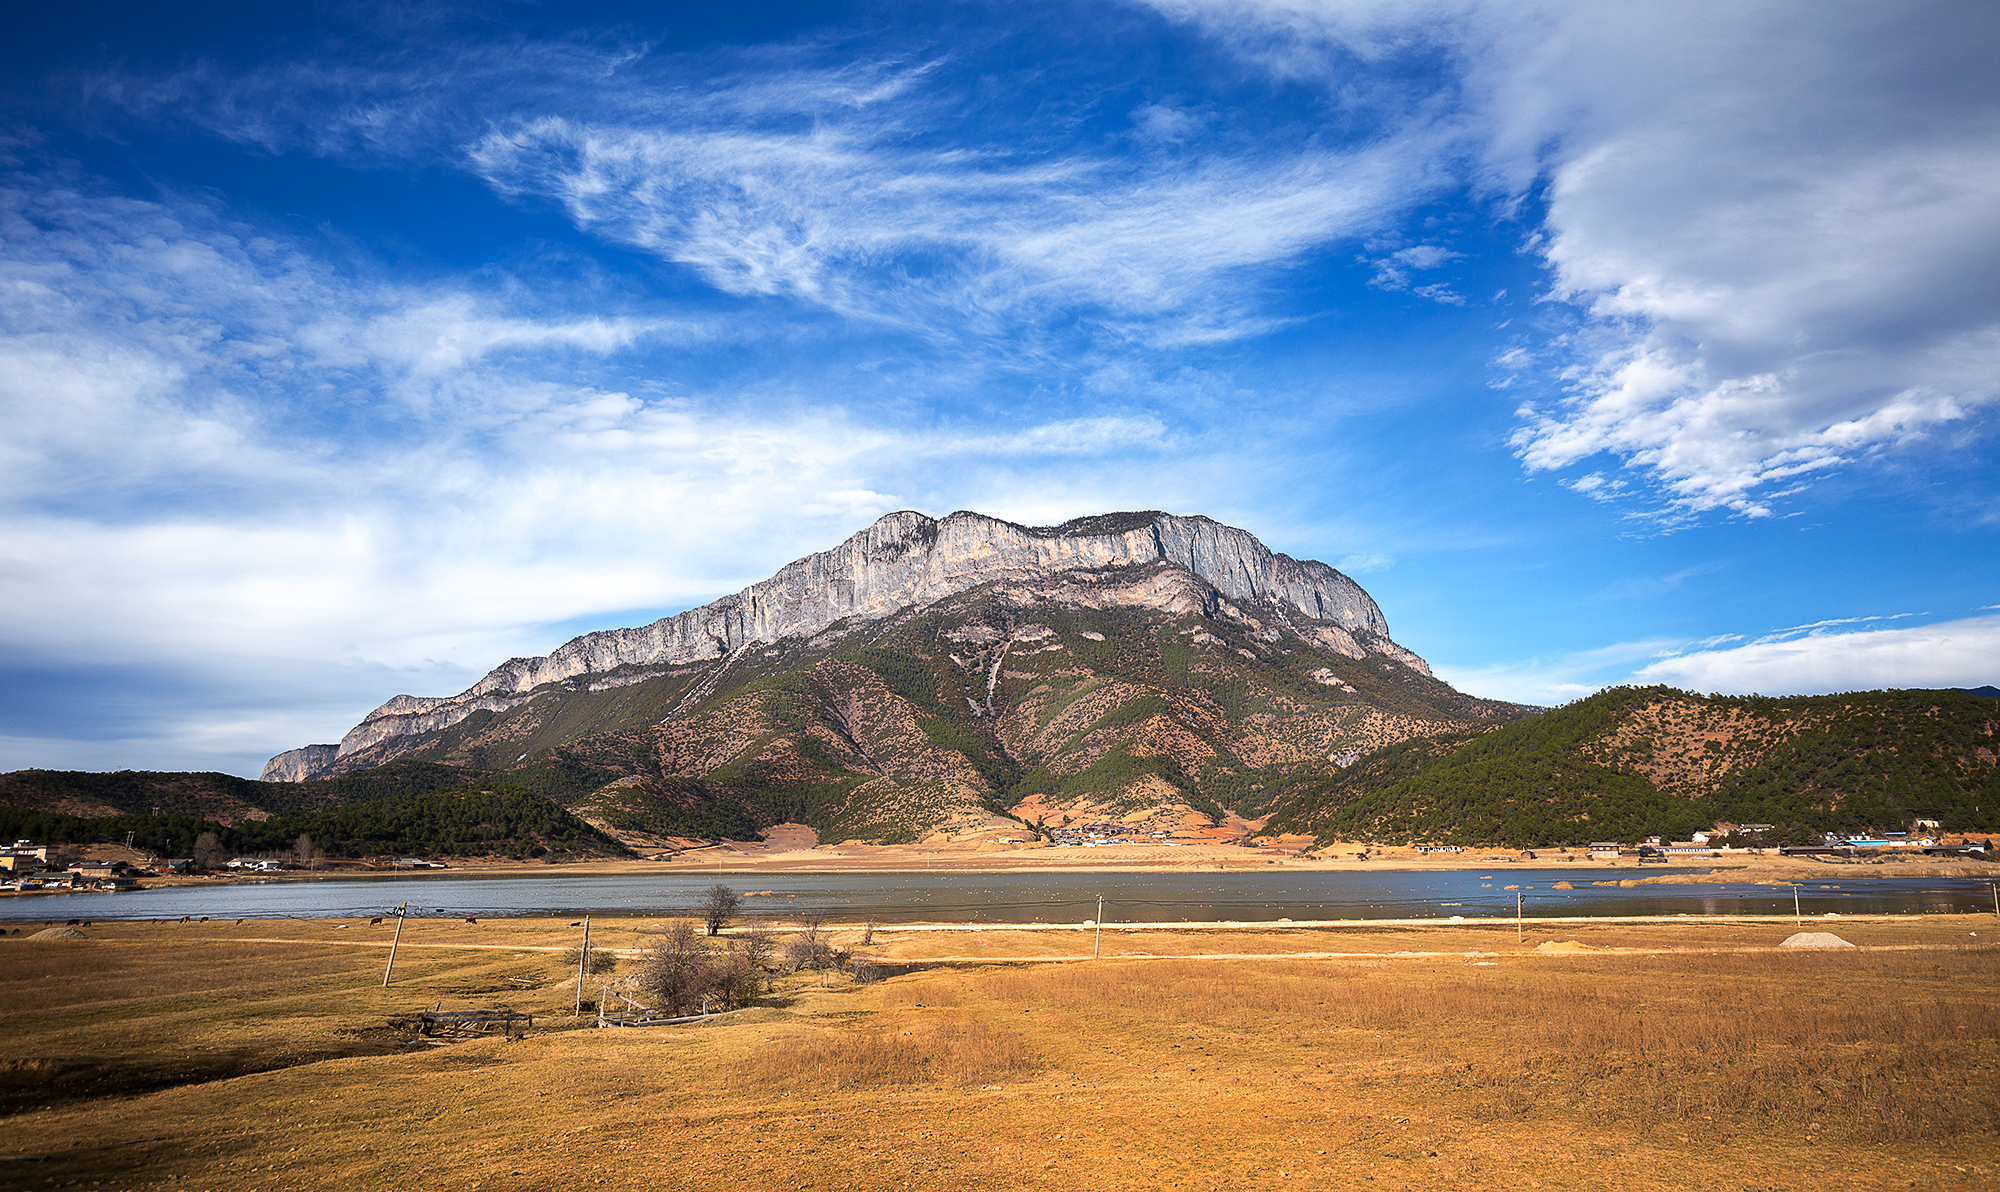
(400, 911)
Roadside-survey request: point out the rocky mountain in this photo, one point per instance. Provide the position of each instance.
(945, 677)
(1631, 762)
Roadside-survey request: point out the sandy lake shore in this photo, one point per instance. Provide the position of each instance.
(751, 858)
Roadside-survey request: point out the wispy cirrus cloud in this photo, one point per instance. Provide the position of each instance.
(880, 189)
(846, 216)
(1774, 220)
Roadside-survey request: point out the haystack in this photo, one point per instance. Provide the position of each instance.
(59, 933)
(1815, 939)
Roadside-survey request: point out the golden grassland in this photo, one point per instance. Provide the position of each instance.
(1662, 1055)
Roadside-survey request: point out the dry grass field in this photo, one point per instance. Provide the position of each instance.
(1682, 1054)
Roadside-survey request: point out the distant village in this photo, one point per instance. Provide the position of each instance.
(27, 868)
(1724, 839)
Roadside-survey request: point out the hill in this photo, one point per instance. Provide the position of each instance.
(223, 798)
(465, 821)
(1631, 762)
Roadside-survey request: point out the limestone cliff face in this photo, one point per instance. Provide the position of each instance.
(907, 560)
(297, 765)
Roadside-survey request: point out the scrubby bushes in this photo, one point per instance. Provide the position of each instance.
(682, 973)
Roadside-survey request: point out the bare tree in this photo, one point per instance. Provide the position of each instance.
(674, 969)
(207, 851)
(306, 853)
(810, 948)
(759, 947)
(718, 906)
(682, 973)
(735, 978)
(759, 944)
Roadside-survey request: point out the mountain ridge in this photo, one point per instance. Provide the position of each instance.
(904, 560)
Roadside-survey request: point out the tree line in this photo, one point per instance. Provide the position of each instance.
(467, 821)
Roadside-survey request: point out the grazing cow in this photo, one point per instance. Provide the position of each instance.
(577, 924)
(472, 920)
(71, 923)
(204, 918)
(375, 922)
(185, 919)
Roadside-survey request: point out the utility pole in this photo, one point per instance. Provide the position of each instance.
(1519, 937)
(1798, 916)
(400, 911)
(1098, 945)
(582, 962)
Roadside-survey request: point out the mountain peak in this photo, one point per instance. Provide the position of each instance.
(908, 560)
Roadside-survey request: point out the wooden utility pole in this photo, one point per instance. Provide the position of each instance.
(400, 911)
(1097, 946)
(582, 962)
(1798, 916)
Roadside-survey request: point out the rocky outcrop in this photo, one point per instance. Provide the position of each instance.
(297, 765)
(908, 560)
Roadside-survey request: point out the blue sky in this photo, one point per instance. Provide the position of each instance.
(348, 352)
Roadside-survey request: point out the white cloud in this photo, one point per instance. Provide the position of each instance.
(844, 215)
(1072, 436)
(1426, 256)
(1964, 653)
(234, 465)
(1164, 123)
(1817, 659)
(1553, 679)
(1777, 218)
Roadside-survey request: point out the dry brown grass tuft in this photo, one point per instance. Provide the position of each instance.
(956, 1053)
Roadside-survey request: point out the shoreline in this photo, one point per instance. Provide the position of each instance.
(751, 860)
(1766, 871)
(1141, 860)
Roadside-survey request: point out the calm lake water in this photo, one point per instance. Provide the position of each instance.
(1020, 898)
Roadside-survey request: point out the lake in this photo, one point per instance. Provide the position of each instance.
(1018, 898)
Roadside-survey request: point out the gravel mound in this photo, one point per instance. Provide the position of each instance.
(59, 933)
(1815, 939)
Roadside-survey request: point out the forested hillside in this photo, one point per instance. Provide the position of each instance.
(1630, 762)
(221, 797)
(468, 821)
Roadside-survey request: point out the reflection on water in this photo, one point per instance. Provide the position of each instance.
(1014, 898)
